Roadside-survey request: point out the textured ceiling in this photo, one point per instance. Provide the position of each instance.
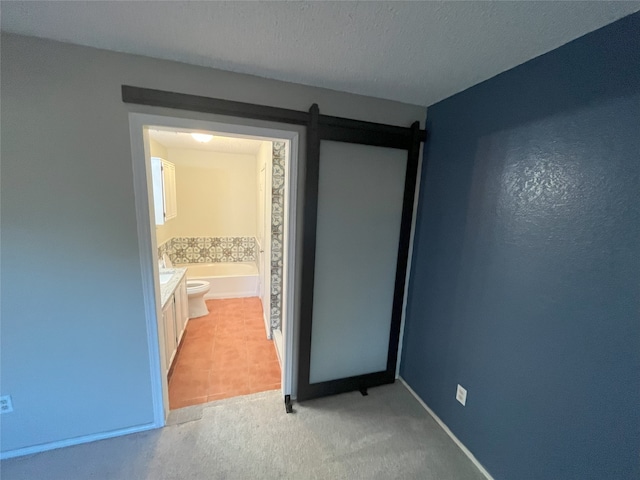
(224, 144)
(415, 52)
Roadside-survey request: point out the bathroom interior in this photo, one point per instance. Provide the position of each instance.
(218, 204)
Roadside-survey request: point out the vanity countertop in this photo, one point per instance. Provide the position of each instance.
(167, 289)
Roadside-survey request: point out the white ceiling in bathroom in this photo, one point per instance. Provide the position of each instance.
(418, 52)
(222, 144)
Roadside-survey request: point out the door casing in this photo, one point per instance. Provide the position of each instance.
(147, 243)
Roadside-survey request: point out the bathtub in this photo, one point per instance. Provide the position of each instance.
(228, 280)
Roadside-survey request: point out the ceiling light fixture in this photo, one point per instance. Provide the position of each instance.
(202, 137)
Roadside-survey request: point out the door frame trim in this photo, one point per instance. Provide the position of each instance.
(265, 271)
(147, 243)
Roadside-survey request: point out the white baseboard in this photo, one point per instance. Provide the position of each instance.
(43, 447)
(466, 451)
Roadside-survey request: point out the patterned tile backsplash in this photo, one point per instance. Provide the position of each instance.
(209, 249)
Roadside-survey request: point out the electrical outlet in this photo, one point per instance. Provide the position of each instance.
(461, 395)
(5, 404)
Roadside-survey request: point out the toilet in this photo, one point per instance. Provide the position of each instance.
(196, 290)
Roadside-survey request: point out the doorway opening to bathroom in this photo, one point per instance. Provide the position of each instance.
(221, 243)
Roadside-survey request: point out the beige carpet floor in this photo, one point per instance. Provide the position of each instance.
(385, 435)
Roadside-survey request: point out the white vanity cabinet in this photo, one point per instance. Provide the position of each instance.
(163, 176)
(175, 314)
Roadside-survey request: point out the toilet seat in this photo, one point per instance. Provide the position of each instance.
(195, 287)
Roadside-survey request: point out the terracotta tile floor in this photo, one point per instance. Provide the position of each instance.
(224, 354)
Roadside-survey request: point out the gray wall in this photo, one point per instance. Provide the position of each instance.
(74, 349)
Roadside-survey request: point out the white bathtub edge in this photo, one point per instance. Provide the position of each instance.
(229, 294)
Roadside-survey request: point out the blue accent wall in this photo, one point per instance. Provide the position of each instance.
(525, 284)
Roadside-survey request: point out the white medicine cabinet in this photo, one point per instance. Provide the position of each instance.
(163, 174)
